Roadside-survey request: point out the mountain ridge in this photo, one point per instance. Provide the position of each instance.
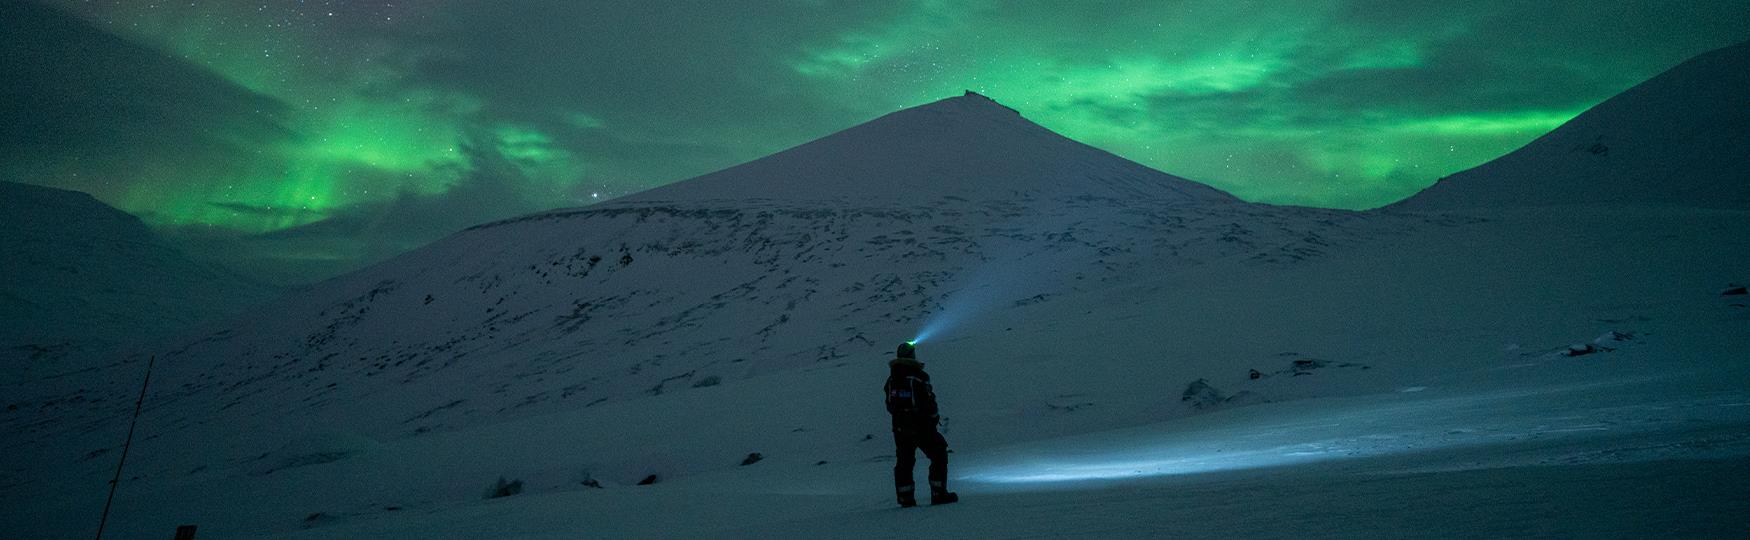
(609, 303)
(82, 275)
(1669, 140)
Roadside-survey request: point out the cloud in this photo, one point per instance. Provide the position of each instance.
(491, 186)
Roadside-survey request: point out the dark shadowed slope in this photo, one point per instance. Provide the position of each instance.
(79, 275)
(1680, 138)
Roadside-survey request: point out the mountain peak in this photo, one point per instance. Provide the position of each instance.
(967, 146)
(970, 101)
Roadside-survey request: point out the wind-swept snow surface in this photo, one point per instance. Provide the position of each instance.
(1092, 327)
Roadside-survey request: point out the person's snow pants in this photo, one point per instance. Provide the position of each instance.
(935, 447)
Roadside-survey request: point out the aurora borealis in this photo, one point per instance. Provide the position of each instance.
(293, 140)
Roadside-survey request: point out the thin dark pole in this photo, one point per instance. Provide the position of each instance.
(129, 443)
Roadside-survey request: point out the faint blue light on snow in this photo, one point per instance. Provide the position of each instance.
(929, 330)
(953, 310)
(1274, 435)
(1134, 464)
(989, 289)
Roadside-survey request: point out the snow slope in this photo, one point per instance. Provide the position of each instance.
(1090, 325)
(1067, 419)
(1679, 138)
(82, 276)
(654, 294)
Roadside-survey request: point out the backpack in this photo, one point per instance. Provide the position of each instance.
(902, 396)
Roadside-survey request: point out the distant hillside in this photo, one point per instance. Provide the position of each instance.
(1677, 139)
(80, 275)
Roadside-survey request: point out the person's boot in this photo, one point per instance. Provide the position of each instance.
(906, 500)
(939, 493)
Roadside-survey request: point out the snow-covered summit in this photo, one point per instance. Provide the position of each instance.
(970, 147)
(1677, 139)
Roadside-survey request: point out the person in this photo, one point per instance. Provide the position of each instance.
(912, 402)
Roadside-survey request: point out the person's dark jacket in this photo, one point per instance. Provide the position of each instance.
(910, 399)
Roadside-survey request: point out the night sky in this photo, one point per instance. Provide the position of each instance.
(294, 139)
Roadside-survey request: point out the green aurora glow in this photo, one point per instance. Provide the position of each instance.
(343, 111)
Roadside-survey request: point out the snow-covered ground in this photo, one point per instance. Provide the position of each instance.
(1638, 462)
(1426, 419)
(1542, 370)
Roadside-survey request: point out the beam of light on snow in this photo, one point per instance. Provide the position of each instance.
(1289, 434)
(1001, 284)
(955, 308)
(1158, 461)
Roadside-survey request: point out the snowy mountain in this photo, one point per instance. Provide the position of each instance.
(656, 292)
(81, 276)
(1676, 139)
(1093, 327)
(969, 147)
